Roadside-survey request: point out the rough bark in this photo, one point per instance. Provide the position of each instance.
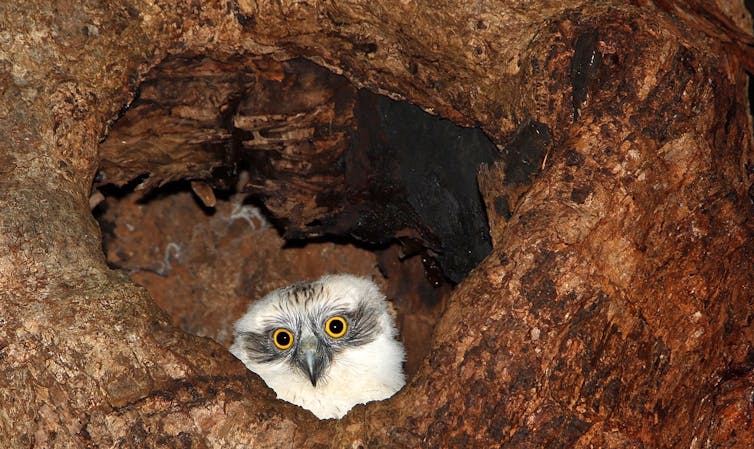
(614, 310)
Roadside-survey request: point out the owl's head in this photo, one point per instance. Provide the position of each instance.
(299, 332)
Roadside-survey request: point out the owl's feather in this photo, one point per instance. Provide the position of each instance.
(363, 365)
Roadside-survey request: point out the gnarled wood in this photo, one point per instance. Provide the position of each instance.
(614, 311)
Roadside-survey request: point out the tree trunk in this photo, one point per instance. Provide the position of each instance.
(614, 309)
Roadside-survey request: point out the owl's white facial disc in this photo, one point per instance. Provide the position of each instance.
(325, 345)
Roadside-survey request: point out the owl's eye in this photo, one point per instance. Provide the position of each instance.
(336, 327)
(283, 339)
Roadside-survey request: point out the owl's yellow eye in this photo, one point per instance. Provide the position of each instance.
(283, 339)
(336, 327)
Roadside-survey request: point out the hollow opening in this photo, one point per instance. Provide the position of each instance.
(227, 178)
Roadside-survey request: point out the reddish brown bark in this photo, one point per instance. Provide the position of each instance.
(614, 311)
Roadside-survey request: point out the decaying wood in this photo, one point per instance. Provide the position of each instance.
(326, 158)
(614, 310)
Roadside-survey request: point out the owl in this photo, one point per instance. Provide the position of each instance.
(325, 345)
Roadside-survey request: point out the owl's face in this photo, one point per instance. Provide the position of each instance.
(325, 345)
(306, 327)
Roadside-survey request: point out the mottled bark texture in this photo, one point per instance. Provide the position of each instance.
(614, 310)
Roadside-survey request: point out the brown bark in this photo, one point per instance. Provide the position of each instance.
(614, 311)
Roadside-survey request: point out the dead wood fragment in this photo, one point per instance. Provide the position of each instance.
(204, 192)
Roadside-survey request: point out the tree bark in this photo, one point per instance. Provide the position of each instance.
(614, 310)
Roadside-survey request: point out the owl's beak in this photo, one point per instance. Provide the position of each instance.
(309, 355)
(310, 360)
